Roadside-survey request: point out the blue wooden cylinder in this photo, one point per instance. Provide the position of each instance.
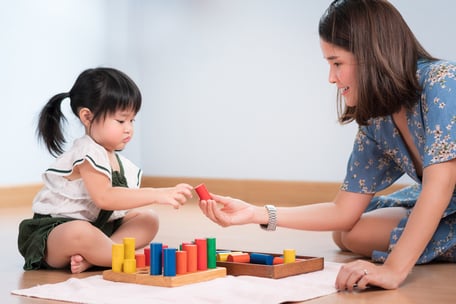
(261, 258)
(156, 258)
(169, 261)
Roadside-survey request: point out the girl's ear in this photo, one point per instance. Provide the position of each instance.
(86, 116)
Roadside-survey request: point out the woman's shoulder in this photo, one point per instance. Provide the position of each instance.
(436, 72)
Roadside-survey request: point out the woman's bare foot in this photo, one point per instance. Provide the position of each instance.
(79, 264)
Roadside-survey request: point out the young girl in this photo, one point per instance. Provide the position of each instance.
(404, 102)
(82, 209)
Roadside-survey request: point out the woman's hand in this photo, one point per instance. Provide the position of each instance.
(232, 212)
(362, 274)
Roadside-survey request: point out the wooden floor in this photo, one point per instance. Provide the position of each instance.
(427, 284)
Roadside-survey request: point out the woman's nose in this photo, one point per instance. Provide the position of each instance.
(332, 78)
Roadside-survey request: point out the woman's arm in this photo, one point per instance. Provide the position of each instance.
(439, 182)
(341, 214)
(117, 198)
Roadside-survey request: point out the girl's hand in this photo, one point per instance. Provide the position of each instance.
(362, 274)
(174, 196)
(232, 212)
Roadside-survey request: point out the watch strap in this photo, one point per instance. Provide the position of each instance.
(272, 218)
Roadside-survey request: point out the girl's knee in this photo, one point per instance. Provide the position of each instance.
(146, 219)
(75, 232)
(148, 216)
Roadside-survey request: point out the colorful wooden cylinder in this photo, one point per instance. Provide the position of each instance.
(239, 257)
(118, 253)
(155, 258)
(140, 260)
(261, 258)
(169, 262)
(289, 256)
(181, 262)
(223, 256)
(129, 266)
(147, 255)
(201, 247)
(202, 192)
(129, 247)
(211, 253)
(192, 254)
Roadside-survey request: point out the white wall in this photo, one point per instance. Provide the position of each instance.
(239, 88)
(232, 88)
(44, 46)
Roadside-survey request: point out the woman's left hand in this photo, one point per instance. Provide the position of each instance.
(361, 274)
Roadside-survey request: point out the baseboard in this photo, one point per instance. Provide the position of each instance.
(285, 193)
(18, 196)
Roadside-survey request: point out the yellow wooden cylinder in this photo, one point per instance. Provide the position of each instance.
(129, 266)
(129, 245)
(117, 257)
(289, 256)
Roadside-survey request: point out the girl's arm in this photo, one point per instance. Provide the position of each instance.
(107, 197)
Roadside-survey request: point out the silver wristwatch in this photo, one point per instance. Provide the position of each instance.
(272, 222)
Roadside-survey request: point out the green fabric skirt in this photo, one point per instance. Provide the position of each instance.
(33, 234)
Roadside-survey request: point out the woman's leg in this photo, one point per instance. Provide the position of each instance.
(371, 232)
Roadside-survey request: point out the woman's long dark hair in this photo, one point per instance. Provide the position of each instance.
(386, 51)
(102, 90)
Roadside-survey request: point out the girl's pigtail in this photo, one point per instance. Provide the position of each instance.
(50, 124)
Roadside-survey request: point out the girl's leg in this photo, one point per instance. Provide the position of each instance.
(80, 244)
(140, 224)
(83, 245)
(372, 232)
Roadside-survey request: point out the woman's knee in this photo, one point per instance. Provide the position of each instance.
(338, 238)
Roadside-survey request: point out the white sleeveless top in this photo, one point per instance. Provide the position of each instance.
(61, 197)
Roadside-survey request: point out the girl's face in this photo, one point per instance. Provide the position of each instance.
(342, 71)
(115, 131)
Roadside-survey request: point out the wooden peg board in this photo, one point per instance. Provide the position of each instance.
(143, 277)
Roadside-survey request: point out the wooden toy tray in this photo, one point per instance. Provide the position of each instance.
(143, 277)
(303, 264)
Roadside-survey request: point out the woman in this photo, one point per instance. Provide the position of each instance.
(404, 101)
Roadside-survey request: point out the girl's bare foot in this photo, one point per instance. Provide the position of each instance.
(79, 264)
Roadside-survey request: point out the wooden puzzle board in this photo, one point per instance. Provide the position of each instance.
(143, 277)
(303, 264)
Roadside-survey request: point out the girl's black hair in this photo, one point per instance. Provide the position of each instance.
(102, 90)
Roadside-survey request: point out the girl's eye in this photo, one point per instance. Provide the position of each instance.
(120, 121)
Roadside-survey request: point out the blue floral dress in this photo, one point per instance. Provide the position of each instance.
(380, 156)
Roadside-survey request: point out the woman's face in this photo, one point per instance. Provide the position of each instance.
(342, 71)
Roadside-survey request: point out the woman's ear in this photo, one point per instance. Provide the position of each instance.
(86, 116)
